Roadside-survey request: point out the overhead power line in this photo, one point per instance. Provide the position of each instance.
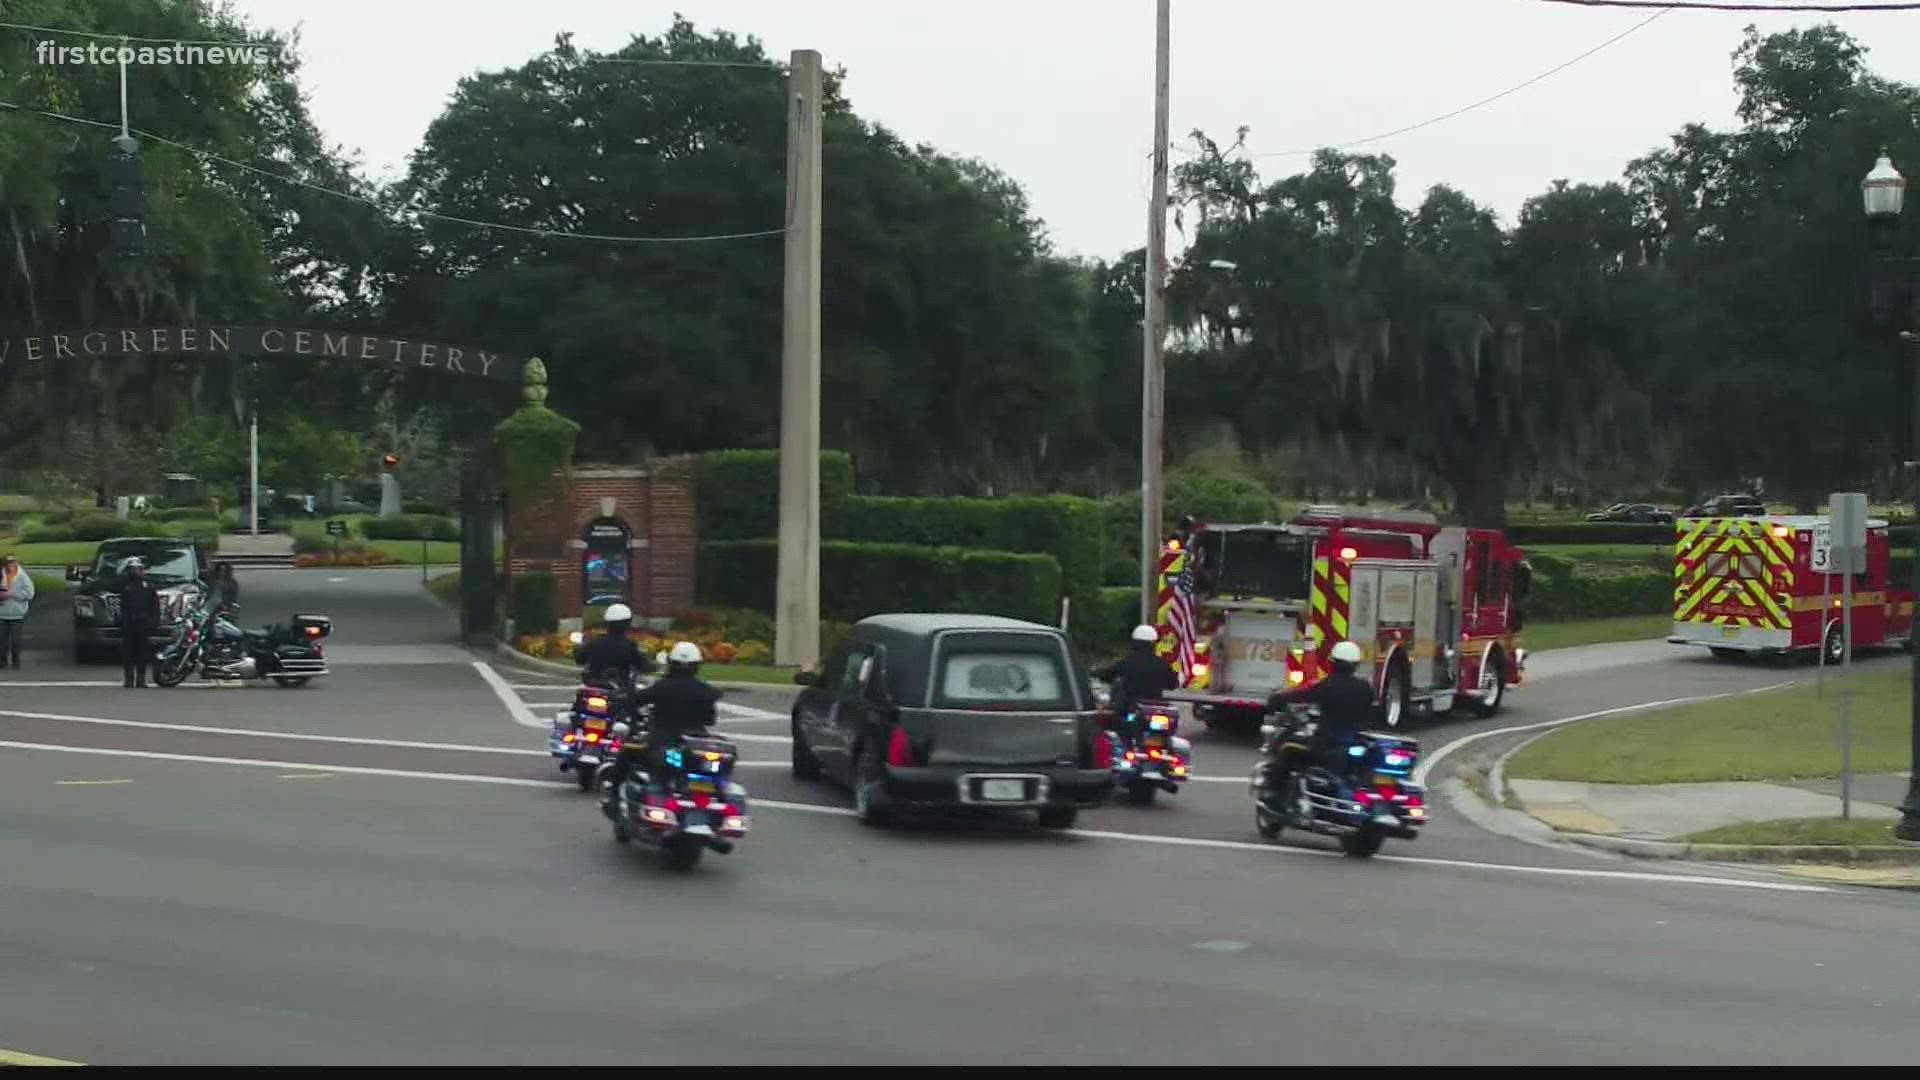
(136, 37)
(1485, 101)
(1707, 5)
(433, 215)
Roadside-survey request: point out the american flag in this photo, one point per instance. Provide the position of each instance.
(1180, 617)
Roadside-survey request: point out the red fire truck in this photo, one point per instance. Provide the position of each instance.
(1434, 610)
(1759, 585)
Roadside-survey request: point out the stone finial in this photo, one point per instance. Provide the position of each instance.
(533, 382)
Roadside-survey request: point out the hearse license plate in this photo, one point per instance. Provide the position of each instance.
(1003, 790)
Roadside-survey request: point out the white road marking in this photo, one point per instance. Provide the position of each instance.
(305, 776)
(88, 783)
(201, 729)
(336, 581)
(515, 707)
(838, 811)
(47, 685)
(1431, 761)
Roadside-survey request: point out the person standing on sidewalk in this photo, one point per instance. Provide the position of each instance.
(16, 594)
(139, 617)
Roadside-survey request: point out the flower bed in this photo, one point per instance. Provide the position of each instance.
(716, 648)
(359, 556)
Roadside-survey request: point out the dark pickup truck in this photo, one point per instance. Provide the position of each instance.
(175, 567)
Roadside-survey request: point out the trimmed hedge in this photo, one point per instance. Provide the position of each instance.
(1063, 526)
(410, 526)
(1562, 592)
(737, 492)
(859, 579)
(536, 603)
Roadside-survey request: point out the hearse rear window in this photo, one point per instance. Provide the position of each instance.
(1002, 679)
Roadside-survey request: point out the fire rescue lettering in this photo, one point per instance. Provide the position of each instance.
(1728, 570)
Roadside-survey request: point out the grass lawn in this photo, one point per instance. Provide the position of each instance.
(1779, 735)
(1629, 553)
(62, 554)
(439, 552)
(1852, 831)
(1541, 636)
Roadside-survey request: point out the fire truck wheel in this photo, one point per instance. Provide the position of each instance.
(1395, 704)
(1836, 644)
(1493, 685)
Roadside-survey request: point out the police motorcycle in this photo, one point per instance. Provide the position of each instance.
(207, 639)
(693, 805)
(581, 738)
(1372, 799)
(1148, 755)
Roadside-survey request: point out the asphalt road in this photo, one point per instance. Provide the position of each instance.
(267, 876)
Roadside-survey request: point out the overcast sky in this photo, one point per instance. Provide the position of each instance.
(1059, 93)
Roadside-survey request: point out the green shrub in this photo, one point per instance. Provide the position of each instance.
(1099, 630)
(860, 579)
(1563, 590)
(1064, 526)
(46, 534)
(536, 603)
(306, 542)
(1593, 532)
(105, 527)
(59, 515)
(182, 513)
(410, 526)
(733, 624)
(737, 492)
(203, 531)
(418, 506)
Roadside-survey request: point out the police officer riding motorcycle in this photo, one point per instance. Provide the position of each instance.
(1346, 705)
(1141, 676)
(678, 705)
(613, 659)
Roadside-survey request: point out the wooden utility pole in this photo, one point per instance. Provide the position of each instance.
(797, 592)
(1153, 331)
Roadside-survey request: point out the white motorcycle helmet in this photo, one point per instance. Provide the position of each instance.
(684, 652)
(619, 613)
(1145, 634)
(1345, 652)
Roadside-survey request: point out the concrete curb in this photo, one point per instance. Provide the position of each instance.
(1524, 827)
(1833, 855)
(551, 667)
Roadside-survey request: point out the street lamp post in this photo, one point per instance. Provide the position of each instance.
(1883, 193)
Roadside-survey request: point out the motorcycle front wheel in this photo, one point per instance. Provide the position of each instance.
(1267, 822)
(172, 671)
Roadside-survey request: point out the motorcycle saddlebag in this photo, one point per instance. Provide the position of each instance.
(307, 628)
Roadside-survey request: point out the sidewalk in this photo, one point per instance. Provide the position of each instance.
(1665, 812)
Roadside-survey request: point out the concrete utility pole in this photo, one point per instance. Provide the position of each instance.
(797, 592)
(1153, 330)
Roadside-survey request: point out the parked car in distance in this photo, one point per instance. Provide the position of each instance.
(175, 567)
(972, 713)
(1636, 513)
(1728, 506)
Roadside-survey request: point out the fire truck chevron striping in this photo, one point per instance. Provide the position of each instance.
(1756, 584)
(1435, 610)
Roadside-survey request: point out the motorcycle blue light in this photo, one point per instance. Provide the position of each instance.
(1356, 751)
(1398, 759)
